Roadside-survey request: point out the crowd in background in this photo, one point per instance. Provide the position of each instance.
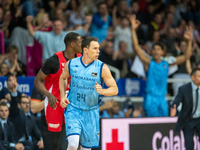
(33, 30)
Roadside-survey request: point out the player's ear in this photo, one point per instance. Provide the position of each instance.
(72, 44)
(85, 49)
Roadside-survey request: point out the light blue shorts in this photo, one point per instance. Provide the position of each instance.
(84, 123)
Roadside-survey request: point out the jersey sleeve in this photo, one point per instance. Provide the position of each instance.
(51, 66)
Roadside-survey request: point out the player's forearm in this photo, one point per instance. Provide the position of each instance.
(62, 86)
(40, 86)
(37, 106)
(111, 91)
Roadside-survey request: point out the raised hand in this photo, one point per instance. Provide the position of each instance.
(188, 33)
(88, 18)
(173, 111)
(29, 18)
(134, 22)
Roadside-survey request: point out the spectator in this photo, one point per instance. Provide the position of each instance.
(170, 41)
(26, 129)
(58, 14)
(106, 54)
(123, 33)
(102, 21)
(123, 9)
(12, 83)
(124, 60)
(41, 22)
(180, 29)
(113, 112)
(51, 40)
(12, 61)
(75, 14)
(155, 25)
(4, 69)
(88, 7)
(18, 19)
(148, 46)
(130, 111)
(7, 141)
(134, 9)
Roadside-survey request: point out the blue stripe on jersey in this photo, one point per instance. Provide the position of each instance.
(84, 64)
(69, 65)
(101, 73)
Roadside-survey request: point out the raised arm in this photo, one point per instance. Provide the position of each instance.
(62, 85)
(182, 58)
(109, 81)
(29, 25)
(134, 25)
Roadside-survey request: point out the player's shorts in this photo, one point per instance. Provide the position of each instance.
(54, 117)
(155, 106)
(84, 123)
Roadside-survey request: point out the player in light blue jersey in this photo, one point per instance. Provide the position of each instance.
(82, 102)
(155, 104)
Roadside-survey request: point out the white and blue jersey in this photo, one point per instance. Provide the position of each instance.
(82, 93)
(82, 114)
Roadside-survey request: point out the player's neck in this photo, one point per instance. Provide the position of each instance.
(70, 54)
(86, 60)
(158, 60)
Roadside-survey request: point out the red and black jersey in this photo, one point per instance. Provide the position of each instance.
(52, 80)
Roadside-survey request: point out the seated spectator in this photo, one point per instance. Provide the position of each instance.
(26, 130)
(113, 112)
(7, 141)
(106, 105)
(11, 88)
(12, 61)
(4, 69)
(130, 111)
